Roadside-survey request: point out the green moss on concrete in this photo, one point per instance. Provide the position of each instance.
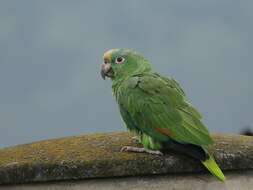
(98, 155)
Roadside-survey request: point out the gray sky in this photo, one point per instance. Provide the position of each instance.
(51, 52)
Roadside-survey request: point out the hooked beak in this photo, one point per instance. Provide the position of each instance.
(106, 70)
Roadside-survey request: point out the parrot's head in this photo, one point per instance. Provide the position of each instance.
(122, 63)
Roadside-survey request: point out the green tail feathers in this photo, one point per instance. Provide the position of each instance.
(211, 165)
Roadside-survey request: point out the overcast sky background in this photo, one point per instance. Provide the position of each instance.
(51, 53)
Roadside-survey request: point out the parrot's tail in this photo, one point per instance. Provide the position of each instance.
(211, 165)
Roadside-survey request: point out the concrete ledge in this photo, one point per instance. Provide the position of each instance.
(242, 180)
(98, 156)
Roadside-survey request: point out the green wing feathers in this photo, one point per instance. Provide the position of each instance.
(159, 108)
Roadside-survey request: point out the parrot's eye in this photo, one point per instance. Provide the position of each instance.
(119, 60)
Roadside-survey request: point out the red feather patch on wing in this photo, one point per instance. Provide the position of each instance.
(164, 131)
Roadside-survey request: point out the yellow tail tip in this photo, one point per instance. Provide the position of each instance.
(213, 168)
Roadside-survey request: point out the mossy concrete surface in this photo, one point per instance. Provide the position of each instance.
(98, 156)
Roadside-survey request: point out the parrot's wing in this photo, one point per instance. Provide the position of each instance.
(157, 106)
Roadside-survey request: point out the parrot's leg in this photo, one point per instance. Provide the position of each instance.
(137, 149)
(136, 139)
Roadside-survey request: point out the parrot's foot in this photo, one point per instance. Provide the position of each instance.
(136, 149)
(136, 139)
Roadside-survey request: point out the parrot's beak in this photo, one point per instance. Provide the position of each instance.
(106, 70)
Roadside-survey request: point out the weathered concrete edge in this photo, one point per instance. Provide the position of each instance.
(98, 156)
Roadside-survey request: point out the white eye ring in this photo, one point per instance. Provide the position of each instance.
(119, 60)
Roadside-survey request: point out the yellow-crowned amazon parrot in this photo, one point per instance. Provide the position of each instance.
(156, 110)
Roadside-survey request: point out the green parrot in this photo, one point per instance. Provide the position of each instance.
(155, 109)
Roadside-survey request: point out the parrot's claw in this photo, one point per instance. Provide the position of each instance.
(137, 149)
(136, 139)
